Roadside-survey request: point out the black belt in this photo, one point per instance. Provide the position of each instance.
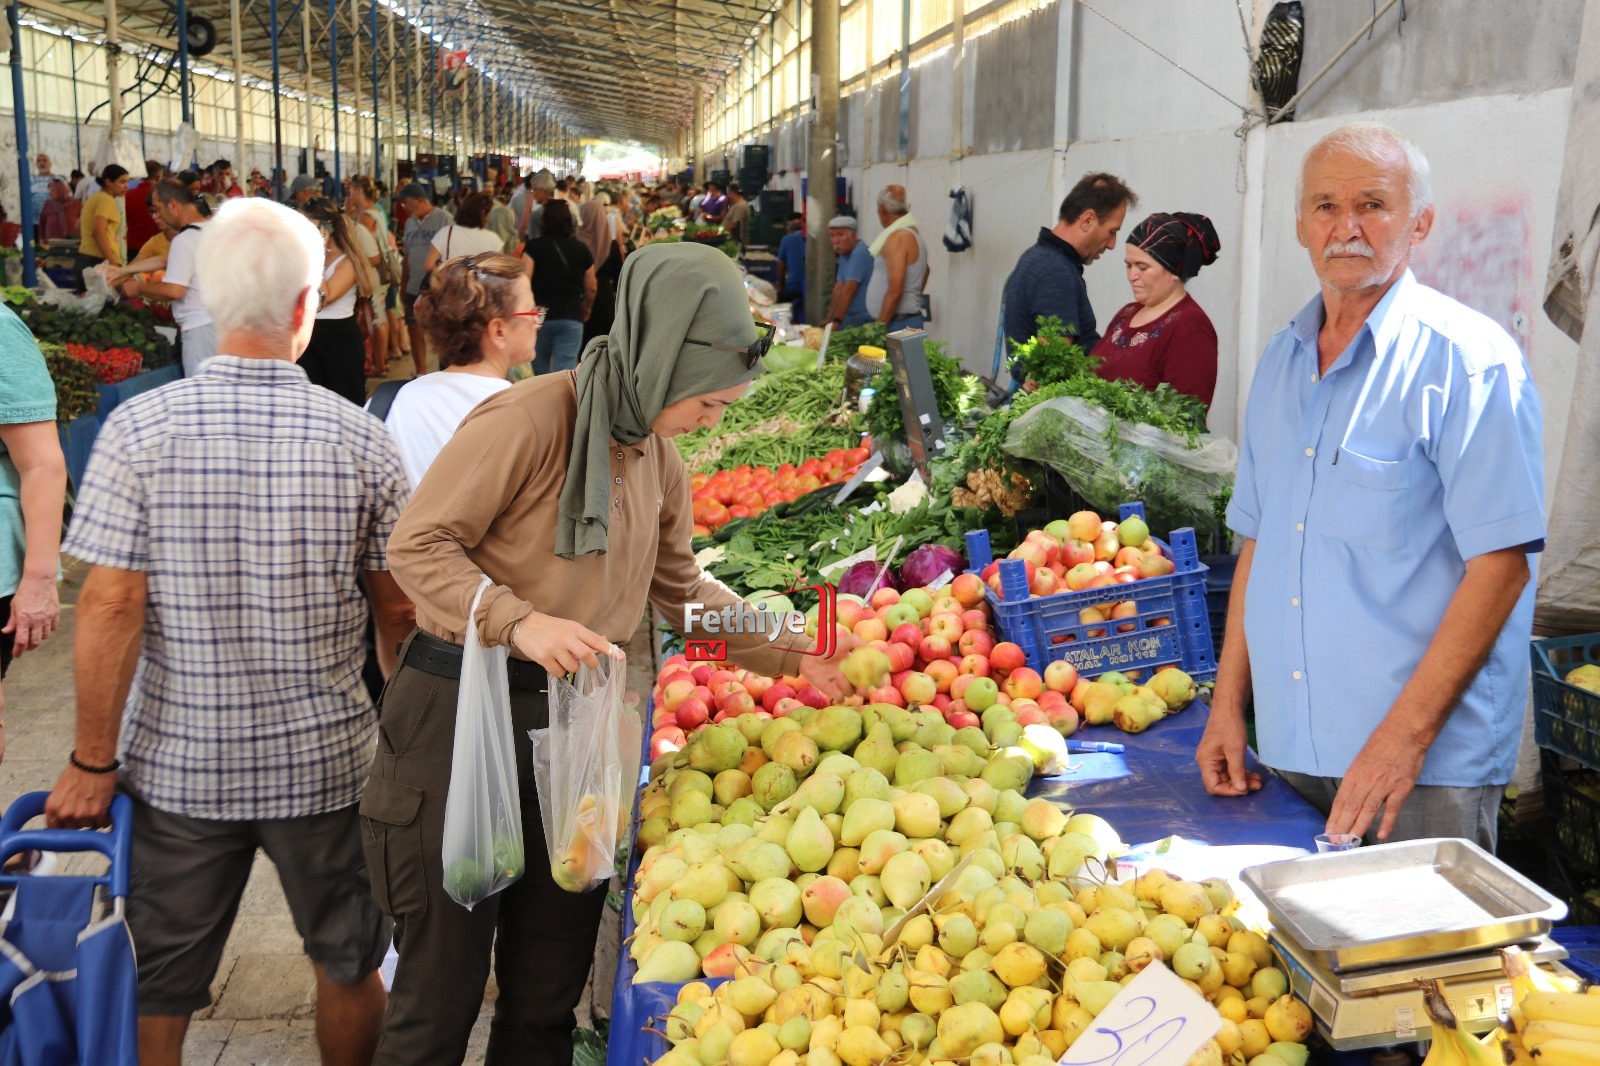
(428, 653)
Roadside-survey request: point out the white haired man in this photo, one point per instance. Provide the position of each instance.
(1390, 495)
(899, 264)
(227, 518)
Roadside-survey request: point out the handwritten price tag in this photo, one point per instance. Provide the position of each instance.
(1156, 1020)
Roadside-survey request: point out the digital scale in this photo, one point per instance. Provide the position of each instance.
(919, 406)
(1382, 1007)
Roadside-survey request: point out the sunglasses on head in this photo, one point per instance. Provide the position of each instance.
(752, 353)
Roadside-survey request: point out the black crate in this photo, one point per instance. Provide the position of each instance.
(1571, 809)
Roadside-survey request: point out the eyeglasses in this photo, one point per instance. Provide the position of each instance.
(537, 314)
(752, 353)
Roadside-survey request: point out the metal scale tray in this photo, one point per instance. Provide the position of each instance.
(1401, 904)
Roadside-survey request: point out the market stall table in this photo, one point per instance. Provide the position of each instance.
(1151, 791)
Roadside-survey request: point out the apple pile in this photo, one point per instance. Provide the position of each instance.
(1083, 552)
(746, 491)
(933, 648)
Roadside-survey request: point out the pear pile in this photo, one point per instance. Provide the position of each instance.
(785, 855)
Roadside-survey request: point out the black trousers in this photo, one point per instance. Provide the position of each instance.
(543, 937)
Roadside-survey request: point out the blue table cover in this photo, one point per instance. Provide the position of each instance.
(1151, 791)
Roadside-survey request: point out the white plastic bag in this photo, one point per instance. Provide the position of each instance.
(586, 767)
(483, 850)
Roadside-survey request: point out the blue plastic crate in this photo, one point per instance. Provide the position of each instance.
(1170, 628)
(1583, 949)
(1566, 718)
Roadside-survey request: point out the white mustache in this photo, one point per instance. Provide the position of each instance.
(1352, 247)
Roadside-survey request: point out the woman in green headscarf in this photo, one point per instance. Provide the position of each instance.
(567, 493)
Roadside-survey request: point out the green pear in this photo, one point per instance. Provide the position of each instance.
(863, 817)
(878, 751)
(865, 783)
(835, 728)
(809, 843)
(772, 784)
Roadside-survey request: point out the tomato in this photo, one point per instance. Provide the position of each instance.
(698, 481)
(716, 515)
(785, 468)
(773, 497)
(835, 473)
(724, 494)
(857, 456)
(748, 498)
(808, 483)
(834, 458)
(810, 467)
(701, 493)
(739, 510)
(701, 531)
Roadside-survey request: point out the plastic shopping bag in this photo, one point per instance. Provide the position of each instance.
(482, 813)
(586, 767)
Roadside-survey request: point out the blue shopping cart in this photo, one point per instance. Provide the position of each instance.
(67, 977)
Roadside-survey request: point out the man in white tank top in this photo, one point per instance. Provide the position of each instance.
(899, 264)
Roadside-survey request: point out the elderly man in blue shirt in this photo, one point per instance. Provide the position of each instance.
(1390, 494)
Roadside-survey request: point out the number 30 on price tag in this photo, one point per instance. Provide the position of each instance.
(1156, 1020)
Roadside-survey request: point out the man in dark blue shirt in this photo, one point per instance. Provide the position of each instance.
(792, 265)
(1048, 278)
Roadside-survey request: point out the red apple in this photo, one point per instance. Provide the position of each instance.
(884, 597)
(811, 696)
(757, 685)
(967, 589)
(973, 618)
(779, 690)
(665, 739)
(1051, 698)
(703, 693)
(940, 701)
(944, 603)
(1007, 656)
(1084, 525)
(976, 665)
(1126, 609)
(1065, 720)
(1023, 683)
(1080, 576)
(782, 708)
(1128, 556)
(976, 642)
(677, 660)
(947, 625)
(703, 672)
(1060, 676)
(901, 656)
(1031, 714)
(1104, 581)
(908, 633)
(886, 694)
(869, 629)
(943, 672)
(989, 571)
(848, 612)
(934, 646)
(1155, 566)
(962, 719)
(690, 713)
(1077, 551)
(739, 702)
(1030, 551)
(1043, 583)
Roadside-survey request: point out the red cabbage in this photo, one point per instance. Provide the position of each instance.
(862, 579)
(924, 565)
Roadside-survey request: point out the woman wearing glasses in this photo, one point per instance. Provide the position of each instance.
(568, 493)
(478, 315)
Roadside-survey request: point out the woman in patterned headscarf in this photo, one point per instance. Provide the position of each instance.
(1164, 335)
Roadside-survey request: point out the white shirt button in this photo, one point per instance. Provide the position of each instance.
(1313, 377)
(1310, 452)
(617, 503)
(619, 481)
(1295, 602)
(619, 455)
(1300, 527)
(1297, 675)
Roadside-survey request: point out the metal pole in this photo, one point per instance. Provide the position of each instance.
(394, 58)
(433, 98)
(19, 114)
(355, 64)
(822, 168)
(238, 87)
(113, 71)
(183, 61)
(77, 126)
(905, 80)
(305, 53)
(377, 121)
(333, 83)
(277, 101)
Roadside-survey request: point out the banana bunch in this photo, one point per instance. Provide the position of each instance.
(1553, 1021)
(1451, 1045)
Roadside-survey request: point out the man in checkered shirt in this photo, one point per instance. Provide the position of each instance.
(220, 631)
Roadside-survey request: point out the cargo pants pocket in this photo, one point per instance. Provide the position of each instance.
(392, 841)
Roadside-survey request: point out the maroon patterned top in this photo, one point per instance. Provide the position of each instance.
(1180, 348)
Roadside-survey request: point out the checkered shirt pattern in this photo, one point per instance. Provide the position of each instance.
(251, 499)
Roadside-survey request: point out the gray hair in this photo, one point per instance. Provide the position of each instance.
(892, 199)
(1374, 142)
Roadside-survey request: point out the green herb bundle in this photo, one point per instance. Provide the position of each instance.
(956, 392)
(1050, 355)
